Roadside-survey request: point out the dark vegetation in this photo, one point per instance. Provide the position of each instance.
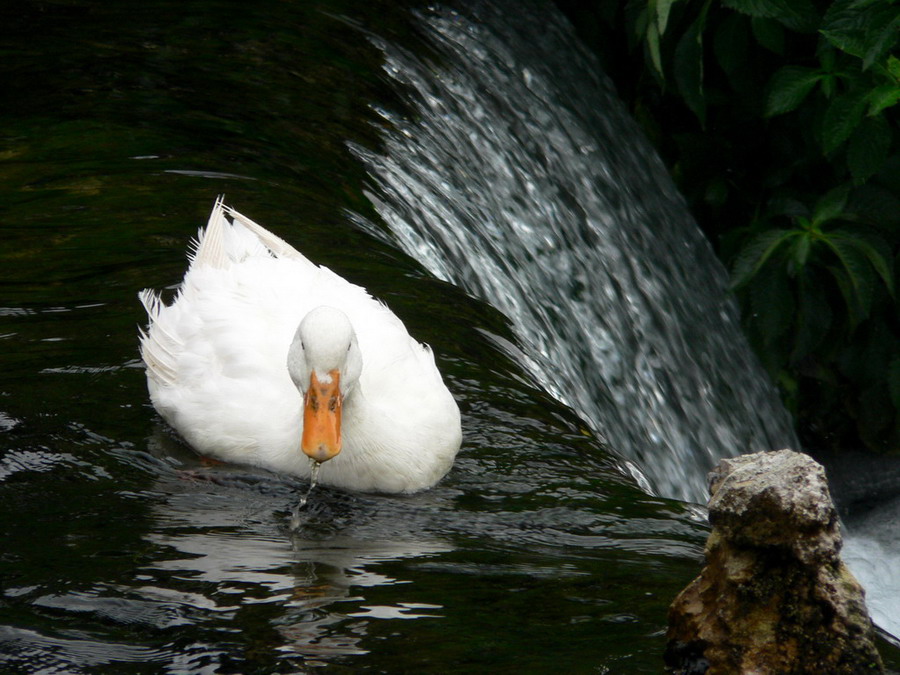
(778, 120)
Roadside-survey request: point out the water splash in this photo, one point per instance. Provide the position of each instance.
(521, 178)
(314, 468)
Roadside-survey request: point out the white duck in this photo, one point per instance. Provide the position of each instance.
(265, 358)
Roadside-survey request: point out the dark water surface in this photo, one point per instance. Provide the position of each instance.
(120, 551)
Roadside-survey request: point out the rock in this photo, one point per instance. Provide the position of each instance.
(774, 596)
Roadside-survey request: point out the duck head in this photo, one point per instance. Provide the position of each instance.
(325, 363)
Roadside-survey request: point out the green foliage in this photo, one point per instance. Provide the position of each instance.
(779, 120)
(788, 87)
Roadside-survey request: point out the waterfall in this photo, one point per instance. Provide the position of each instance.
(520, 177)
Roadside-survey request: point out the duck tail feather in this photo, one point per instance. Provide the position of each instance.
(278, 246)
(209, 246)
(156, 342)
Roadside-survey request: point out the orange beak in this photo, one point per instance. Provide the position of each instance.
(322, 418)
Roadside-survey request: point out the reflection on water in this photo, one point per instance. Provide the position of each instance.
(227, 530)
(221, 549)
(44, 460)
(29, 651)
(212, 575)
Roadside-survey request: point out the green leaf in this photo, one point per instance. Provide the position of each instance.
(884, 38)
(730, 47)
(769, 33)
(689, 68)
(893, 66)
(868, 148)
(883, 97)
(662, 8)
(875, 249)
(856, 301)
(798, 15)
(653, 46)
(637, 16)
(859, 292)
(827, 57)
(829, 85)
(866, 30)
(831, 205)
(877, 205)
(841, 118)
(800, 250)
(844, 26)
(756, 253)
(788, 87)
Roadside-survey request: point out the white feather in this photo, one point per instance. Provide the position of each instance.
(217, 371)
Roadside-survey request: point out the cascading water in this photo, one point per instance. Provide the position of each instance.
(512, 179)
(521, 178)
